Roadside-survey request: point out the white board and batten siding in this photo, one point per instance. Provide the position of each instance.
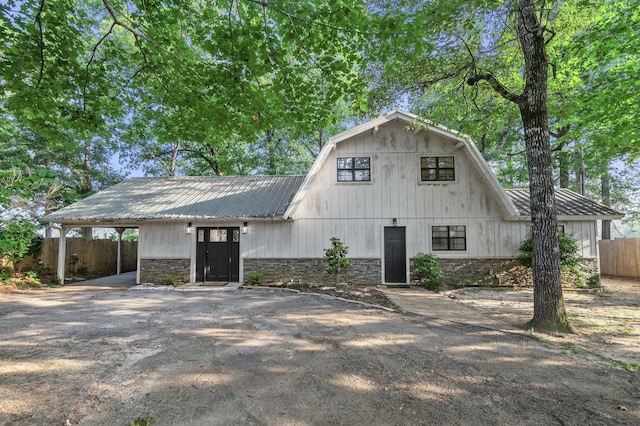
(357, 212)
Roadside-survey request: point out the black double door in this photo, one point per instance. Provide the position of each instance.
(395, 257)
(218, 254)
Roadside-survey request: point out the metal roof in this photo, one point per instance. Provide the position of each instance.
(185, 198)
(568, 203)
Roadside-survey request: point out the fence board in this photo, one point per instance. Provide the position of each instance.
(98, 256)
(620, 257)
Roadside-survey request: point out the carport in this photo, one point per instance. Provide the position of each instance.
(66, 226)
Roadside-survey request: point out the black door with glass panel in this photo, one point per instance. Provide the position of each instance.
(395, 258)
(218, 254)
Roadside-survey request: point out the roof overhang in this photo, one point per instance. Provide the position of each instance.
(134, 223)
(566, 218)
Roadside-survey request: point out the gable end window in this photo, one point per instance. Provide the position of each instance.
(448, 238)
(354, 169)
(433, 169)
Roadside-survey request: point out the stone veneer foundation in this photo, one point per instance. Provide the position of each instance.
(470, 271)
(311, 270)
(156, 270)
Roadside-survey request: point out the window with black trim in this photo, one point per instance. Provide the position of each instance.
(448, 238)
(354, 169)
(433, 169)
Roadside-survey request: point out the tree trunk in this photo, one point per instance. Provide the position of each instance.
(86, 186)
(563, 166)
(271, 153)
(173, 161)
(605, 182)
(580, 172)
(320, 139)
(548, 302)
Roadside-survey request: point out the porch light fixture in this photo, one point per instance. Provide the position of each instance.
(395, 221)
(245, 227)
(189, 229)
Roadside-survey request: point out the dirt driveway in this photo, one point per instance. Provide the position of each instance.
(606, 321)
(273, 358)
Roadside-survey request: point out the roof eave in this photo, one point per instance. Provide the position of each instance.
(110, 222)
(570, 218)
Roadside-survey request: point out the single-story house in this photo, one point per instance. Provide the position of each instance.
(390, 188)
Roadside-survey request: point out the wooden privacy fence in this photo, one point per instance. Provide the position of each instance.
(620, 257)
(91, 256)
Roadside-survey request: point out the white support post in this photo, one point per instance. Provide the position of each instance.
(119, 260)
(62, 248)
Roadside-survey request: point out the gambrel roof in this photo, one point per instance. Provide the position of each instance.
(184, 198)
(417, 124)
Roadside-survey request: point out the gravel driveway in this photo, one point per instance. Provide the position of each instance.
(273, 358)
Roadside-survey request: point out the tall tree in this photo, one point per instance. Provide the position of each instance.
(533, 36)
(473, 42)
(175, 73)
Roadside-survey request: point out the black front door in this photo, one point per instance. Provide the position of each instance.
(395, 260)
(218, 254)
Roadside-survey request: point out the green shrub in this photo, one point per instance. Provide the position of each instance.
(16, 239)
(82, 270)
(581, 275)
(568, 251)
(428, 271)
(168, 280)
(336, 257)
(255, 278)
(5, 274)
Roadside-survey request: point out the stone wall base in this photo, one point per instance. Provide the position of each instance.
(497, 272)
(311, 270)
(159, 271)
(460, 272)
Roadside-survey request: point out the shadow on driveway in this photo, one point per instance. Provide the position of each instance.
(113, 282)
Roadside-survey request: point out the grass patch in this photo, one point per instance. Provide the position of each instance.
(571, 348)
(633, 367)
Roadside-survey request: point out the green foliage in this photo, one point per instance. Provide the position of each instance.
(568, 251)
(128, 235)
(82, 75)
(82, 270)
(581, 275)
(16, 239)
(428, 271)
(5, 274)
(255, 278)
(336, 257)
(168, 280)
(142, 421)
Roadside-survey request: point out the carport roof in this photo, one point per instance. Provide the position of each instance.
(184, 198)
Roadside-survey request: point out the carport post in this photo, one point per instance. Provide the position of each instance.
(119, 261)
(62, 248)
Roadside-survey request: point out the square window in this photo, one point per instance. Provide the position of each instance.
(437, 168)
(354, 169)
(448, 238)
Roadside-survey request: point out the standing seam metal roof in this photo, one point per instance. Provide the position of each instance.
(568, 203)
(190, 197)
